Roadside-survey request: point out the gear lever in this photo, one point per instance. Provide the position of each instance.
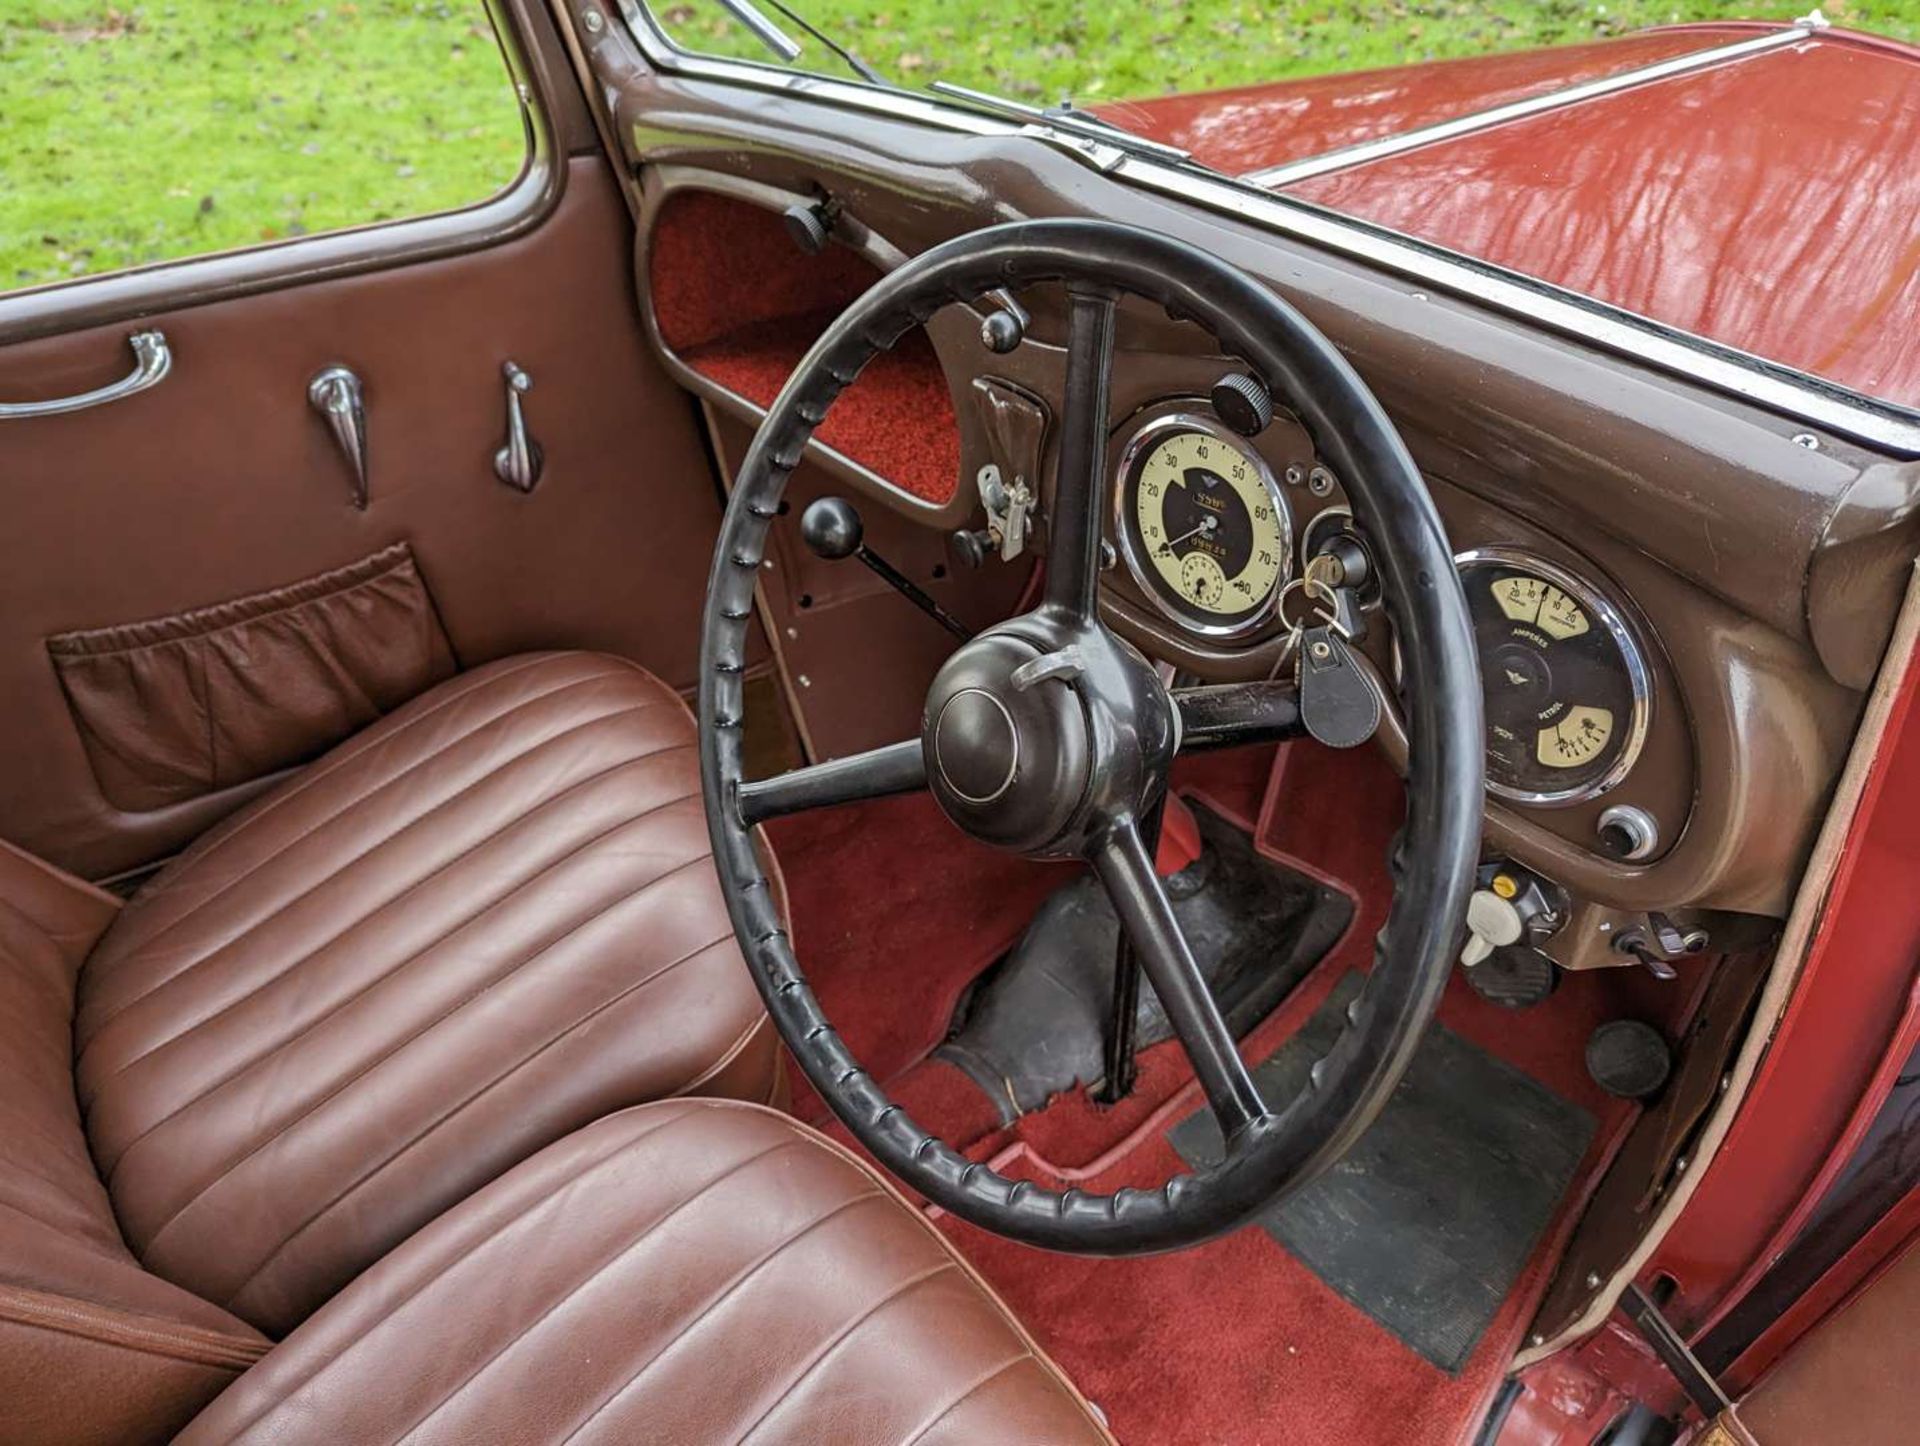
(832, 529)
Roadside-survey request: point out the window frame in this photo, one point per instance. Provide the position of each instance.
(114, 296)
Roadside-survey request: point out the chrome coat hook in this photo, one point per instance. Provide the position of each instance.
(336, 395)
(518, 463)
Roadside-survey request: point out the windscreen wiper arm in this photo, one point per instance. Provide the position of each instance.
(784, 45)
(763, 29)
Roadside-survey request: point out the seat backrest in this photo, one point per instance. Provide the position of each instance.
(92, 1347)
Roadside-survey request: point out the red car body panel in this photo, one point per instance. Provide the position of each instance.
(1257, 126)
(1769, 203)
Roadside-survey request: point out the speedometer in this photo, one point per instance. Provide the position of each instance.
(1202, 525)
(1564, 680)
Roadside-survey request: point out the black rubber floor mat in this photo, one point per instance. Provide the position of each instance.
(1037, 1024)
(1427, 1222)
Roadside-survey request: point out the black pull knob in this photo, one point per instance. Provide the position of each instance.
(808, 225)
(1242, 403)
(831, 528)
(971, 548)
(1002, 331)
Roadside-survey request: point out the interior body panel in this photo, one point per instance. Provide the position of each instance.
(624, 819)
(222, 483)
(1530, 464)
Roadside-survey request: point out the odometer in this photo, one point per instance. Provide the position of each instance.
(1564, 680)
(1202, 525)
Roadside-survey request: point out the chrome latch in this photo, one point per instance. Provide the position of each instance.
(1009, 510)
(518, 463)
(336, 395)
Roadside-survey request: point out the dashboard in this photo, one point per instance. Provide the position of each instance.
(1207, 533)
(1662, 717)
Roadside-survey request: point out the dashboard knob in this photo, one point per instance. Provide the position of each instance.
(831, 528)
(1628, 833)
(807, 225)
(1001, 332)
(1242, 403)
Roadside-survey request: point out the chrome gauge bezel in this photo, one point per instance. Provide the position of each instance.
(1639, 676)
(1144, 578)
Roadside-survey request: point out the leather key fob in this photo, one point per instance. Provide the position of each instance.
(1337, 701)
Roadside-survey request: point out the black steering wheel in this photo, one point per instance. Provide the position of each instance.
(1049, 736)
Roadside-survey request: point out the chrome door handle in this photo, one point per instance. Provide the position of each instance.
(518, 463)
(151, 363)
(335, 394)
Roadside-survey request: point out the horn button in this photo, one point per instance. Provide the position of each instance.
(1026, 745)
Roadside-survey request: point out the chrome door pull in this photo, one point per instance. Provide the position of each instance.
(151, 363)
(335, 394)
(518, 463)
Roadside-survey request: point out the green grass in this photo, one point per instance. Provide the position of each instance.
(143, 131)
(1094, 50)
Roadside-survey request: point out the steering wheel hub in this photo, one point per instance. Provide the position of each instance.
(1009, 765)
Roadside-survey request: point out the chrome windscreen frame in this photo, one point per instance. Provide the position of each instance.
(1786, 391)
(1138, 445)
(1625, 638)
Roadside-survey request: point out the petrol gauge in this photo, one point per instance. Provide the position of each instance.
(1202, 525)
(1564, 680)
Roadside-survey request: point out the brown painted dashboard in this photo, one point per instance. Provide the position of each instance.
(1759, 573)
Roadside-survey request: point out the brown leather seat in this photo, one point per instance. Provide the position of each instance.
(682, 1274)
(685, 1272)
(483, 922)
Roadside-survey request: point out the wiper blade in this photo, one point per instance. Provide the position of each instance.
(784, 45)
(1064, 117)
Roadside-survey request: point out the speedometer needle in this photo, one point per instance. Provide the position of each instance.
(1207, 524)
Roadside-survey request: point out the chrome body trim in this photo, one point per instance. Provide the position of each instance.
(1780, 389)
(1273, 177)
(1639, 676)
(151, 362)
(1139, 446)
(1079, 123)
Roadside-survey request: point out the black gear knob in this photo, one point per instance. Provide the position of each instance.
(831, 528)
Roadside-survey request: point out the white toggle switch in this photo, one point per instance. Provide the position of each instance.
(1492, 923)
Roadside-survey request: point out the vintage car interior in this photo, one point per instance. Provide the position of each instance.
(871, 766)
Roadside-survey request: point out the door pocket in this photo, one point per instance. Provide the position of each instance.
(173, 708)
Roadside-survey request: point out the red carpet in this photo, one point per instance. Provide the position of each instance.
(1235, 1343)
(894, 912)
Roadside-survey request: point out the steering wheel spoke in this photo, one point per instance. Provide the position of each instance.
(1125, 868)
(877, 773)
(1073, 542)
(1229, 714)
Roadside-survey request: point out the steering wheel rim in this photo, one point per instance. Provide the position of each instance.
(1269, 1153)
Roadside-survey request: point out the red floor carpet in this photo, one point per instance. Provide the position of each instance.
(1235, 1343)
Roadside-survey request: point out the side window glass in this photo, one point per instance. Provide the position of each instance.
(147, 130)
